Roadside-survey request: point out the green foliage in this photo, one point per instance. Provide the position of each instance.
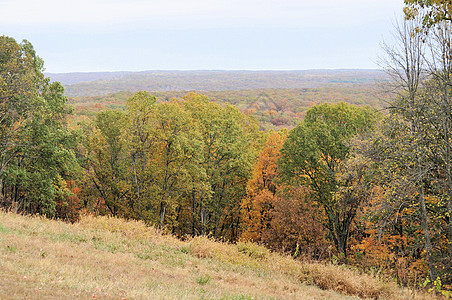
(103, 159)
(413, 151)
(37, 149)
(182, 164)
(436, 287)
(230, 142)
(316, 153)
(185, 163)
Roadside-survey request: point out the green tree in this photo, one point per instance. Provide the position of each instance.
(314, 155)
(230, 143)
(140, 140)
(20, 78)
(104, 160)
(163, 142)
(178, 144)
(36, 148)
(438, 123)
(416, 146)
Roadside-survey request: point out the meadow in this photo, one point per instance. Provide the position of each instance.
(111, 258)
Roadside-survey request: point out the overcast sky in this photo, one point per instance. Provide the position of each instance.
(136, 35)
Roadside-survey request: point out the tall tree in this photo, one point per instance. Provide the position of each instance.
(20, 78)
(314, 154)
(178, 144)
(140, 141)
(438, 93)
(163, 142)
(230, 140)
(104, 160)
(36, 148)
(257, 205)
(409, 114)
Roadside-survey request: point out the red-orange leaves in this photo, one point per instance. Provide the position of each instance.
(257, 206)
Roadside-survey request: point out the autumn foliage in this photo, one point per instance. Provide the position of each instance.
(258, 205)
(279, 216)
(346, 184)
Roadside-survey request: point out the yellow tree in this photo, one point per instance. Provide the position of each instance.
(229, 143)
(103, 161)
(163, 145)
(140, 142)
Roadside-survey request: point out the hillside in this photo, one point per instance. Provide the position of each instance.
(110, 258)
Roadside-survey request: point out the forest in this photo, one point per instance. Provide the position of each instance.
(274, 109)
(356, 185)
(101, 84)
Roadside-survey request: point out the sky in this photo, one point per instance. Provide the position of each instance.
(138, 35)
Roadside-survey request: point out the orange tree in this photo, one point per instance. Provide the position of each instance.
(257, 205)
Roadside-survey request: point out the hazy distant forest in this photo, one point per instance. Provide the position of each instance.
(348, 166)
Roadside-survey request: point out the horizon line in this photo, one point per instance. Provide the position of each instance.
(219, 70)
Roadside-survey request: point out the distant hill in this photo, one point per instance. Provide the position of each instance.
(78, 77)
(98, 84)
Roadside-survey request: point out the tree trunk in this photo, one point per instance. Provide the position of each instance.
(193, 194)
(342, 242)
(1, 191)
(162, 214)
(449, 229)
(135, 177)
(203, 221)
(428, 243)
(447, 159)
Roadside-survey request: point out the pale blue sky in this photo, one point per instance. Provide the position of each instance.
(136, 35)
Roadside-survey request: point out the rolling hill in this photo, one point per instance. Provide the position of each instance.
(98, 84)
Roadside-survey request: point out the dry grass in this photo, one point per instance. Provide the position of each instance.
(109, 258)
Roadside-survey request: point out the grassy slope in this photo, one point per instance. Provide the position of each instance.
(110, 258)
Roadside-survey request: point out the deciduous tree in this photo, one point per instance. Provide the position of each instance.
(314, 155)
(36, 147)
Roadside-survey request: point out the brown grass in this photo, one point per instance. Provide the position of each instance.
(109, 258)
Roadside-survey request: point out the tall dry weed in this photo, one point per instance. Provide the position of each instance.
(131, 250)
